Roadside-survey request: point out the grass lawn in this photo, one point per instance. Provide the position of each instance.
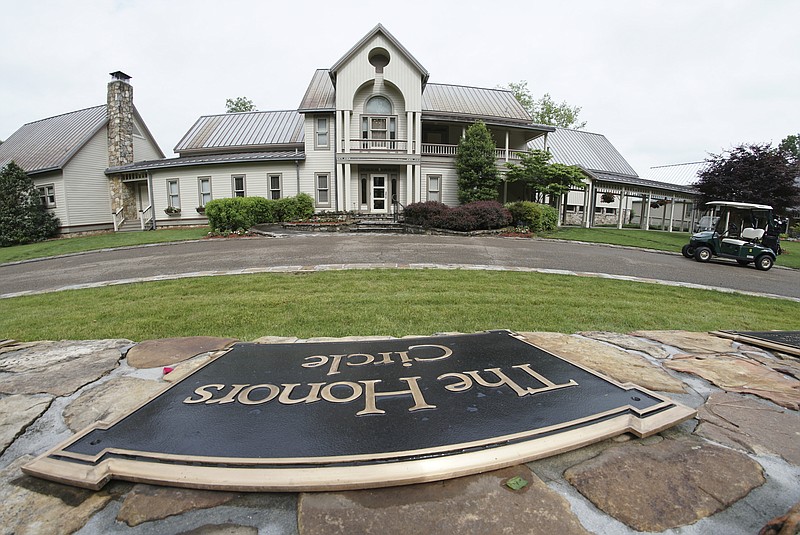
(97, 241)
(381, 302)
(655, 239)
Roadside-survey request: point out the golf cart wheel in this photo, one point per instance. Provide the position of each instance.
(688, 251)
(702, 254)
(764, 262)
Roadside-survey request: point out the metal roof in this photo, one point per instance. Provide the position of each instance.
(242, 130)
(48, 144)
(320, 95)
(472, 102)
(585, 149)
(683, 174)
(235, 157)
(641, 182)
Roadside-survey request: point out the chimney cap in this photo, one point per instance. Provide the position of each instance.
(119, 75)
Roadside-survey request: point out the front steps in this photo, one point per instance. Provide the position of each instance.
(376, 224)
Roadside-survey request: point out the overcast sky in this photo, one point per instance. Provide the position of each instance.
(665, 81)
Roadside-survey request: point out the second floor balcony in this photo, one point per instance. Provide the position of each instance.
(428, 149)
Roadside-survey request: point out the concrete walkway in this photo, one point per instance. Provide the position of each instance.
(732, 470)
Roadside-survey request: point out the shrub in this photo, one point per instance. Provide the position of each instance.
(23, 219)
(424, 213)
(537, 217)
(479, 215)
(244, 212)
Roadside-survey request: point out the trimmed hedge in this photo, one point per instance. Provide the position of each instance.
(537, 217)
(479, 215)
(241, 213)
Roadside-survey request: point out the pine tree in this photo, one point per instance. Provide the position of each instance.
(476, 164)
(23, 219)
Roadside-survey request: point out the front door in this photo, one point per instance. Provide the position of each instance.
(142, 198)
(379, 203)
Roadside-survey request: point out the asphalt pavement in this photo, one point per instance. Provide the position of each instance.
(309, 251)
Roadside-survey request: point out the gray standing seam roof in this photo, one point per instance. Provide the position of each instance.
(682, 174)
(248, 129)
(591, 151)
(473, 102)
(320, 95)
(210, 159)
(48, 144)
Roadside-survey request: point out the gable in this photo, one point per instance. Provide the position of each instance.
(49, 144)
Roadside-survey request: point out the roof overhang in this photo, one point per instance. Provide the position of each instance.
(216, 159)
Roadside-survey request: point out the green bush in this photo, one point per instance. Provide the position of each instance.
(537, 217)
(243, 212)
(479, 215)
(23, 219)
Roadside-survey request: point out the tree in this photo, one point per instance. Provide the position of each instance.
(543, 177)
(546, 110)
(238, 104)
(751, 173)
(476, 165)
(23, 218)
(791, 146)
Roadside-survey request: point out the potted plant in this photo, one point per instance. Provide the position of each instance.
(172, 210)
(201, 209)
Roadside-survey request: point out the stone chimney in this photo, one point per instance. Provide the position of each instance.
(119, 105)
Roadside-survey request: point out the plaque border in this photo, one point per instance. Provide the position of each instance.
(746, 337)
(342, 472)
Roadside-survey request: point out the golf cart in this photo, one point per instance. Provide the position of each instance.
(742, 231)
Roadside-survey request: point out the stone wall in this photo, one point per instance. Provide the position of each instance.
(120, 123)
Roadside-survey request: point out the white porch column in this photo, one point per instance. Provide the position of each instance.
(339, 132)
(506, 155)
(346, 133)
(620, 213)
(587, 204)
(409, 130)
(417, 132)
(671, 213)
(409, 184)
(348, 170)
(646, 211)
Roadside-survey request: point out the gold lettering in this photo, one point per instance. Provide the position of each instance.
(322, 360)
(404, 358)
(337, 359)
(549, 385)
(203, 393)
(465, 384)
(313, 394)
(371, 396)
(327, 392)
(230, 397)
(244, 395)
(367, 359)
(447, 352)
(504, 380)
(387, 359)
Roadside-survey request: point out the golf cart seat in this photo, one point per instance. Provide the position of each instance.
(752, 234)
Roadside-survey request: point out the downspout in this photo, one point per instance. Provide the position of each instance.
(297, 168)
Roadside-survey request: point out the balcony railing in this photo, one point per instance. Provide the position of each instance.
(438, 149)
(379, 145)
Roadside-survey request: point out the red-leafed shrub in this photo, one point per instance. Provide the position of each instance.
(479, 215)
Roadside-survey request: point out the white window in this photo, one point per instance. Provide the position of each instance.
(321, 137)
(47, 195)
(378, 124)
(204, 189)
(434, 187)
(274, 186)
(323, 190)
(238, 185)
(173, 194)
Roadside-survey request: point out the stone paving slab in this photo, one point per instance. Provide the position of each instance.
(168, 351)
(733, 470)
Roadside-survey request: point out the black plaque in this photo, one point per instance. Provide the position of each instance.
(786, 341)
(321, 416)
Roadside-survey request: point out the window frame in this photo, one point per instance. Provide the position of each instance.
(176, 202)
(234, 191)
(320, 132)
(438, 190)
(326, 189)
(271, 190)
(47, 198)
(201, 193)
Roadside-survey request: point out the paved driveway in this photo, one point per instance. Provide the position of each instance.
(322, 249)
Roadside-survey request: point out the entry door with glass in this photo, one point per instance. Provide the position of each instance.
(379, 201)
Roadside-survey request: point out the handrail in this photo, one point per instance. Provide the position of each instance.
(395, 203)
(119, 223)
(145, 219)
(378, 144)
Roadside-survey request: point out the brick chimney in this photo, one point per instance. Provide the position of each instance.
(119, 105)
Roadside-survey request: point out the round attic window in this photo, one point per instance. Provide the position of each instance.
(378, 58)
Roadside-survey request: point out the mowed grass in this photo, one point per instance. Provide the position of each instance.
(381, 302)
(95, 242)
(655, 239)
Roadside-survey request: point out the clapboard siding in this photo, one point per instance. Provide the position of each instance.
(86, 187)
(318, 161)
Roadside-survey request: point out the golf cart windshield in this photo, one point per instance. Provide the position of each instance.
(732, 221)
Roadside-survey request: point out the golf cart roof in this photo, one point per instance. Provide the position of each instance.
(744, 205)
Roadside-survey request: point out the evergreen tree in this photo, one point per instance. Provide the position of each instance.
(23, 219)
(476, 165)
